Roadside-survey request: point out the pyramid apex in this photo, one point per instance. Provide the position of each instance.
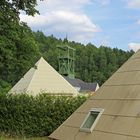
(41, 58)
(39, 61)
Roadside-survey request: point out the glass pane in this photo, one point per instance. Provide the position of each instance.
(90, 120)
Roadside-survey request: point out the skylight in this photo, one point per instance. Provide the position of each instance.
(91, 119)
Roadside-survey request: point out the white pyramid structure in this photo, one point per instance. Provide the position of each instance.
(43, 78)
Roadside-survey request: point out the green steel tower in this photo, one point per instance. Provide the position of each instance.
(66, 61)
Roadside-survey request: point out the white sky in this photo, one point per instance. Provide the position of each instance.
(101, 22)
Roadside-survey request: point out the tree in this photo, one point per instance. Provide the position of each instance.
(11, 8)
(18, 48)
(92, 64)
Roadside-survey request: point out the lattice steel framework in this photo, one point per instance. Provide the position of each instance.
(66, 60)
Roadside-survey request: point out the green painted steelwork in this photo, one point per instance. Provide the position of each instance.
(66, 60)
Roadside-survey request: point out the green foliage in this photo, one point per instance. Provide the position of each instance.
(92, 63)
(19, 51)
(10, 9)
(35, 116)
(18, 48)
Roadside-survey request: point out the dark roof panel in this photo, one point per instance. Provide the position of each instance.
(88, 86)
(81, 84)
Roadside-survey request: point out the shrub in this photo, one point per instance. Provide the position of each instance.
(25, 115)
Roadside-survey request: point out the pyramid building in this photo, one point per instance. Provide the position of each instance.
(43, 78)
(113, 113)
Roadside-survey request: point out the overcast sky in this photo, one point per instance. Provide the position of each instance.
(115, 23)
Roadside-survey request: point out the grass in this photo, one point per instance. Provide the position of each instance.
(36, 138)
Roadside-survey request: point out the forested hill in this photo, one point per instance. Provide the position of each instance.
(92, 63)
(18, 56)
(20, 48)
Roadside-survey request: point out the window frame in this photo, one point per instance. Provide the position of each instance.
(89, 130)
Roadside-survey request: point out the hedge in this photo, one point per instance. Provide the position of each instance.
(24, 115)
